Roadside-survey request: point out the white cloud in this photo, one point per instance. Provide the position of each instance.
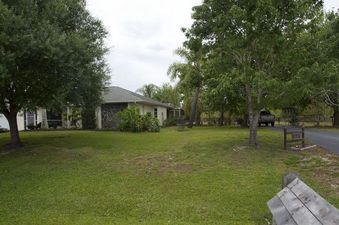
(143, 35)
(331, 5)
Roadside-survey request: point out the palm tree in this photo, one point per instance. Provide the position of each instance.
(190, 76)
(148, 90)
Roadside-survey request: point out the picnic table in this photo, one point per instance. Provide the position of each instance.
(298, 204)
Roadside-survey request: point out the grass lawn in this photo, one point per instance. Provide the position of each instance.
(202, 176)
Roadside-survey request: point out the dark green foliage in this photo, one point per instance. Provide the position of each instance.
(246, 48)
(191, 78)
(148, 90)
(149, 123)
(88, 118)
(170, 122)
(51, 54)
(131, 120)
(166, 93)
(292, 114)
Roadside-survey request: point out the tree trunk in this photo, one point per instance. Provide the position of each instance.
(221, 121)
(245, 121)
(13, 126)
(336, 117)
(194, 107)
(253, 116)
(253, 128)
(198, 118)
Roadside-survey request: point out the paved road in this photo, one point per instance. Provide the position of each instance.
(328, 140)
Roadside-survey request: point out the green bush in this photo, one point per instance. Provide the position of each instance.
(170, 122)
(154, 126)
(147, 121)
(131, 120)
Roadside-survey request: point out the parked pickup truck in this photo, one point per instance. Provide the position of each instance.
(266, 118)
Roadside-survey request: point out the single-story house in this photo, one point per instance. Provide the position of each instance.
(26, 118)
(115, 99)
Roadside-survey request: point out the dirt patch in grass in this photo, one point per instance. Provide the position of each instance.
(158, 165)
(63, 155)
(321, 165)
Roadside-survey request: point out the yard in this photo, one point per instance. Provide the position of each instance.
(201, 176)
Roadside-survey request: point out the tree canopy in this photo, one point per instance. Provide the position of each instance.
(50, 51)
(250, 43)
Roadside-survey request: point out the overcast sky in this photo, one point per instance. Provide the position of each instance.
(143, 35)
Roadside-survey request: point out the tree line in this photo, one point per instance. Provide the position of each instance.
(239, 57)
(244, 56)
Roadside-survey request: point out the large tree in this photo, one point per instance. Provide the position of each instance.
(190, 75)
(50, 51)
(253, 36)
(165, 93)
(148, 90)
(315, 63)
(324, 72)
(169, 94)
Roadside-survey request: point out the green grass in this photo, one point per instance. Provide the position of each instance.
(202, 176)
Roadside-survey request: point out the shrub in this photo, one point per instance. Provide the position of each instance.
(154, 126)
(170, 122)
(31, 126)
(131, 120)
(147, 121)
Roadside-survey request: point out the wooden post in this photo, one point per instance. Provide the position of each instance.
(303, 137)
(288, 178)
(285, 139)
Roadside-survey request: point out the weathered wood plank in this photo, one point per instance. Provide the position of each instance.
(319, 207)
(299, 212)
(279, 212)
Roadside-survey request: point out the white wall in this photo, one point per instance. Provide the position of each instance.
(39, 115)
(3, 122)
(162, 111)
(98, 117)
(20, 121)
(162, 114)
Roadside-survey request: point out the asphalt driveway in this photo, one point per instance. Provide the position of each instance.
(328, 140)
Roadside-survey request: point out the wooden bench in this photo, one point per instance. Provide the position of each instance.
(298, 204)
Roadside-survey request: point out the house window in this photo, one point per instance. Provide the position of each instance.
(155, 112)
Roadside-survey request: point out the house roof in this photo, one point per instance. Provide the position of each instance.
(116, 94)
